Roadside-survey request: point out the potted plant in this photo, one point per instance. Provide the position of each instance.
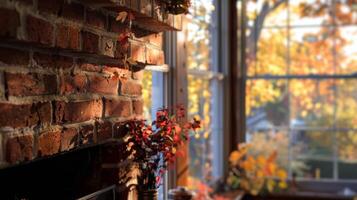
(255, 173)
(154, 147)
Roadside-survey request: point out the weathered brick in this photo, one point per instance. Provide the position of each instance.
(49, 143)
(53, 7)
(14, 56)
(137, 51)
(104, 130)
(115, 26)
(96, 18)
(104, 85)
(154, 39)
(90, 42)
(154, 56)
(76, 83)
(69, 139)
(121, 49)
(52, 61)
(138, 75)
(39, 31)
(132, 88)
(146, 7)
(107, 47)
(9, 22)
(67, 37)
(90, 67)
(138, 106)
(19, 148)
(73, 11)
(117, 108)
(73, 112)
(18, 116)
(30, 84)
(86, 135)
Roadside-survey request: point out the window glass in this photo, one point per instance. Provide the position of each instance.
(301, 88)
(204, 99)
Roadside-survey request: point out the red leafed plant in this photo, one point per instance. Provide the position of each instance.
(155, 147)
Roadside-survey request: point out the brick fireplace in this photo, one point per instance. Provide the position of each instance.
(65, 93)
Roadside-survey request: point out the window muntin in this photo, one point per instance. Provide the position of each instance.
(300, 73)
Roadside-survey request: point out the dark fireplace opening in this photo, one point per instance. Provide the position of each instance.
(66, 176)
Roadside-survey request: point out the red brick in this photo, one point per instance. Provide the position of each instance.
(146, 7)
(107, 46)
(131, 88)
(104, 131)
(19, 149)
(67, 37)
(103, 85)
(138, 107)
(49, 143)
(52, 7)
(14, 56)
(138, 75)
(86, 135)
(18, 116)
(155, 56)
(90, 42)
(90, 67)
(73, 112)
(73, 11)
(30, 84)
(117, 108)
(53, 61)
(115, 26)
(121, 50)
(73, 84)
(134, 5)
(137, 51)
(96, 18)
(9, 22)
(154, 39)
(39, 31)
(69, 139)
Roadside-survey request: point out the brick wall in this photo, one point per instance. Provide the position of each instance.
(62, 81)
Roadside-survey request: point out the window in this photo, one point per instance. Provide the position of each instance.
(204, 89)
(301, 84)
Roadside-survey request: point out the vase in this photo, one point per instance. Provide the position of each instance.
(148, 194)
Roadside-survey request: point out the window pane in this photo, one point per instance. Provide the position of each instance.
(198, 36)
(266, 105)
(310, 12)
(347, 152)
(316, 169)
(346, 12)
(347, 104)
(313, 143)
(312, 103)
(153, 86)
(199, 106)
(311, 50)
(346, 43)
(266, 13)
(271, 58)
(271, 52)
